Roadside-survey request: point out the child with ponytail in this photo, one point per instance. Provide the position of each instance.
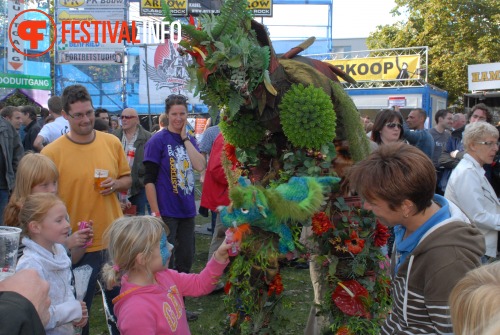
(151, 299)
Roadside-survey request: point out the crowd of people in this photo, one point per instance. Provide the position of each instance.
(436, 189)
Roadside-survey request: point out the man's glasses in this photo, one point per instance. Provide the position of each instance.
(489, 144)
(80, 116)
(394, 125)
(127, 117)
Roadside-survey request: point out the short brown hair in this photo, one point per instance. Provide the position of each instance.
(55, 105)
(393, 173)
(72, 94)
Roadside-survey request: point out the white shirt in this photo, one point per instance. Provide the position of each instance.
(52, 131)
(469, 189)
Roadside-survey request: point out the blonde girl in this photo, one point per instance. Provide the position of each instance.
(475, 301)
(151, 299)
(37, 173)
(44, 229)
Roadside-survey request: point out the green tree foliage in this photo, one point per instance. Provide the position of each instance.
(458, 32)
(19, 99)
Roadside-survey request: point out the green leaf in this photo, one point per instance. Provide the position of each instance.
(332, 267)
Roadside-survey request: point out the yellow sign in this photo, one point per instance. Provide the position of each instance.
(153, 7)
(261, 7)
(65, 16)
(380, 68)
(180, 8)
(71, 3)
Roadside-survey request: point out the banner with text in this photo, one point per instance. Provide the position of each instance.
(380, 68)
(182, 8)
(484, 76)
(90, 26)
(15, 60)
(25, 81)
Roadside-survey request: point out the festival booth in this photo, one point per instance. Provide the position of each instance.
(370, 101)
(387, 78)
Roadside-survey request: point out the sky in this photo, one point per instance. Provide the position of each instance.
(358, 18)
(351, 19)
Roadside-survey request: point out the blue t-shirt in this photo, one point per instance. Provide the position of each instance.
(406, 246)
(175, 182)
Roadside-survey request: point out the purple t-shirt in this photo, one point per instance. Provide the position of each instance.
(175, 182)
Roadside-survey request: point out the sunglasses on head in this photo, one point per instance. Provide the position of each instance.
(393, 125)
(127, 117)
(176, 98)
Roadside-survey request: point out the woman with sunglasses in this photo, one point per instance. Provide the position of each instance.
(387, 127)
(170, 157)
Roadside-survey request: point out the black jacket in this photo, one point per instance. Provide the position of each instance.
(18, 316)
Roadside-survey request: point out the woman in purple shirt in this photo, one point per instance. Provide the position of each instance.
(170, 157)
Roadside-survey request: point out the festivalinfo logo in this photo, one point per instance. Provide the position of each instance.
(86, 30)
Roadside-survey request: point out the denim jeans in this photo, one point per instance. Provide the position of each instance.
(4, 199)
(182, 238)
(214, 221)
(140, 201)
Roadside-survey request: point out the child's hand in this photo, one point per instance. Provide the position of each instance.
(81, 237)
(222, 254)
(85, 316)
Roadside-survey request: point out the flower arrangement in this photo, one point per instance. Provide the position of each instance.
(254, 290)
(349, 241)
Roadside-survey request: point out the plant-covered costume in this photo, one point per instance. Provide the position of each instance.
(285, 119)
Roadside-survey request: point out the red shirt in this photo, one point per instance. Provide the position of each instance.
(215, 188)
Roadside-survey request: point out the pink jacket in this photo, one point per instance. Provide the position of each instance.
(159, 308)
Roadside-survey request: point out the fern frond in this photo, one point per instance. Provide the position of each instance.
(232, 14)
(166, 12)
(195, 37)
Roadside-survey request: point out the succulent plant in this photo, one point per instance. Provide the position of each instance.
(307, 116)
(242, 131)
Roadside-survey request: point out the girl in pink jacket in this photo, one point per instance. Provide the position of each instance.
(151, 299)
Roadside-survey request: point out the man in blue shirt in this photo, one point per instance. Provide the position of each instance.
(415, 133)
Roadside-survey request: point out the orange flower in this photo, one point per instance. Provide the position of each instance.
(355, 245)
(343, 331)
(233, 318)
(321, 223)
(276, 286)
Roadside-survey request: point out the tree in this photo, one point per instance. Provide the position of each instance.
(458, 32)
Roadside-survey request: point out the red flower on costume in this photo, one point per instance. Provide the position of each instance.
(321, 223)
(355, 245)
(276, 286)
(227, 287)
(349, 297)
(381, 235)
(343, 331)
(230, 151)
